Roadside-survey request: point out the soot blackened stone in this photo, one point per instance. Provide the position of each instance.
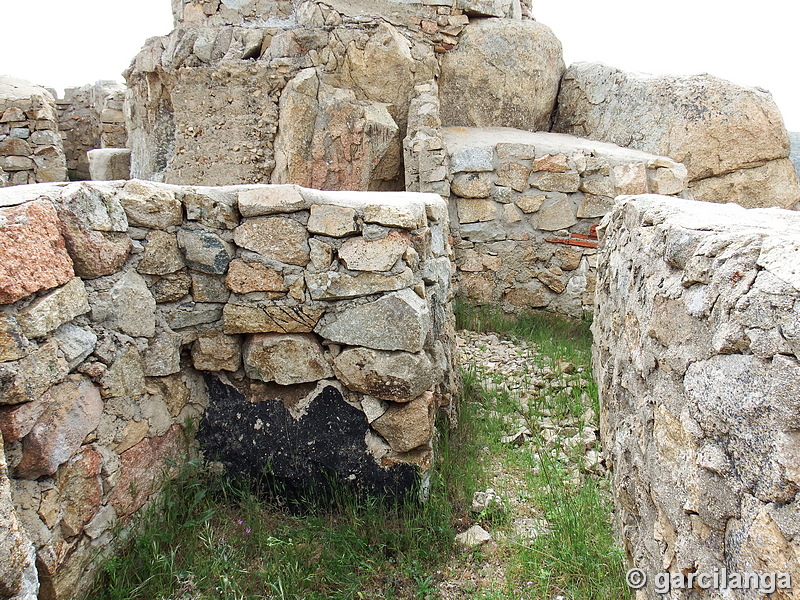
(259, 439)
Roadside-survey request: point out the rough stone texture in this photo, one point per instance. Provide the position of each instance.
(696, 358)
(73, 410)
(398, 321)
(31, 150)
(524, 241)
(99, 376)
(109, 164)
(34, 254)
(90, 118)
(409, 425)
(712, 126)
(393, 376)
(18, 576)
(794, 155)
(479, 85)
(286, 359)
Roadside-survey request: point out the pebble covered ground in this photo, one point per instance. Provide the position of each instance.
(527, 391)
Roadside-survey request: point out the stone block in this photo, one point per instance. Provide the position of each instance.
(216, 351)
(514, 175)
(339, 286)
(34, 253)
(270, 200)
(405, 215)
(245, 277)
(359, 254)
(556, 182)
(397, 321)
(333, 221)
(556, 213)
(73, 411)
(149, 205)
(205, 252)
(161, 254)
(275, 238)
(47, 313)
(475, 211)
(128, 306)
(286, 359)
(32, 375)
(408, 426)
(472, 185)
(109, 164)
(213, 207)
(271, 318)
(391, 376)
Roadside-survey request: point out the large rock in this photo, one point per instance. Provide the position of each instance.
(712, 126)
(128, 306)
(398, 321)
(31, 376)
(503, 73)
(33, 250)
(73, 411)
(393, 376)
(272, 318)
(286, 359)
(330, 140)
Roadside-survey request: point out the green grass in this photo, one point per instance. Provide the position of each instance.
(206, 538)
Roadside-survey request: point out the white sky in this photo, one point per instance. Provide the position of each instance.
(64, 43)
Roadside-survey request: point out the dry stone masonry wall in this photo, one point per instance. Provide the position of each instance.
(523, 209)
(31, 150)
(309, 334)
(89, 118)
(697, 341)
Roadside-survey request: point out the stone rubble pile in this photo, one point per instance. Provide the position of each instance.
(306, 330)
(31, 150)
(697, 360)
(89, 118)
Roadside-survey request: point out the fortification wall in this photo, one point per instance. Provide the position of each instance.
(697, 340)
(261, 325)
(91, 117)
(31, 150)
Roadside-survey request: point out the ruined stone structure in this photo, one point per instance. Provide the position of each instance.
(91, 117)
(30, 145)
(309, 333)
(697, 341)
(524, 207)
(731, 138)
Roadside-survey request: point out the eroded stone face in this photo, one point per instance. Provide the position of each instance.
(286, 359)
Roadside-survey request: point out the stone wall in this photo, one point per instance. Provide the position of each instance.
(31, 150)
(318, 93)
(308, 333)
(91, 117)
(523, 207)
(731, 138)
(697, 340)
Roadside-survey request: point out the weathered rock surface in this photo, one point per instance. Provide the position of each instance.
(73, 410)
(696, 358)
(397, 321)
(275, 238)
(109, 164)
(18, 575)
(480, 80)
(409, 425)
(272, 318)
(286, 359)
(49, 312)
(712, 126)
(392, 376)
(34, 253)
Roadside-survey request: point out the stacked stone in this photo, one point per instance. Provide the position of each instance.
(731, 138)
(308, 330)
(697, 360)
(523, 206)
(91, 117)
(31, 150)
(423, 148)
(312, 93)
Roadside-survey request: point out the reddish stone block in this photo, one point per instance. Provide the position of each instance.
(34, 254)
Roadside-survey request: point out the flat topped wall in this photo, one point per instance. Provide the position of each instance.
(696, 355)
(307, 333)
(523, 206)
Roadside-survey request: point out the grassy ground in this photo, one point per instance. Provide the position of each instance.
(522, 432)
